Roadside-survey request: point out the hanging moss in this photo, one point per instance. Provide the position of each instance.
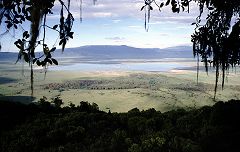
(216, 40)
(15, 12)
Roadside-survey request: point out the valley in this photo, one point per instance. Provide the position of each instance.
(117, 84)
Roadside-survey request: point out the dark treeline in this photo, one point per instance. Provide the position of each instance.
(50, 128)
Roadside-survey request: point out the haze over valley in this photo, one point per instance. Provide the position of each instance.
(116, 77)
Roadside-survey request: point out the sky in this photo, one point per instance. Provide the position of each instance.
(120, 22)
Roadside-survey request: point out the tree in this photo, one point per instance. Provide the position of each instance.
(15, 12)
(217, 40)
(57, 102)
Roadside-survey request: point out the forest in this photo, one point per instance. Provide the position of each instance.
(47, 127)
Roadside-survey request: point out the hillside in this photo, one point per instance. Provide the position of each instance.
(104, 52)
(8, 56)
(48, 128)
(125, 52)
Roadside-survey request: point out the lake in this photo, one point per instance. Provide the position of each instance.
(139, 66)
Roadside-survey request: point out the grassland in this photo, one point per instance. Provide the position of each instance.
(118, 91)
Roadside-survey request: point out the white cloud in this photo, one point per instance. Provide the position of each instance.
(121, 9)
(135, 26)
(102, 14)
(116, 39)
(123, 17)
(163, 34)
(116, 21)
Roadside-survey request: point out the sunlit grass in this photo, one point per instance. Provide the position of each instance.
(121, 91)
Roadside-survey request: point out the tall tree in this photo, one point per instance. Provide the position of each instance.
(216, 40)
(15, 12)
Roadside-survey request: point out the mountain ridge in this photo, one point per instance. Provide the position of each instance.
(93, 52)
(126, 52)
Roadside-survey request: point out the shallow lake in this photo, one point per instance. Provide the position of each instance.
(145, 66)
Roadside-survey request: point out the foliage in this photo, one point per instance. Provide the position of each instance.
(16, 12)
(57, 102)
(84, 128)
(216, 39)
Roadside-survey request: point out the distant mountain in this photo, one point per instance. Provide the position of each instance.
(177, 52)
(8, 56)
(125, 52)
(104, 52)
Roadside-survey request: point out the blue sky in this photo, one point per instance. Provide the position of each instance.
(120, 22)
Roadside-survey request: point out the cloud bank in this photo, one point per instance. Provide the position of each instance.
(121, 9)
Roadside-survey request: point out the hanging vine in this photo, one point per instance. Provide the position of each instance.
(14, 13)
(216, 41)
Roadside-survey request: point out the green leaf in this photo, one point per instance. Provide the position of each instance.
(55, 61)
(15, 26)
(47, 60)
(34, 60)
(26, 58)
(61, 41)
(175, 9)
(49, 55)
(43, 63)
(7, 16)
(9, 25)
(38, 63)
(211, 8)
(25, 34)
(161, 5)
(53, 49)
(167, 3)
(19, 9)
(55, 27)
(185, 3)
(46, 50)
(71, 35)
(151, 8)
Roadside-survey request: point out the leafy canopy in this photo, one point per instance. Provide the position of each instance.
(14, 13)
(215, 40)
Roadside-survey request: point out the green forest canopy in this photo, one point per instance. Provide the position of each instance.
(215, 41)
(47, 127)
